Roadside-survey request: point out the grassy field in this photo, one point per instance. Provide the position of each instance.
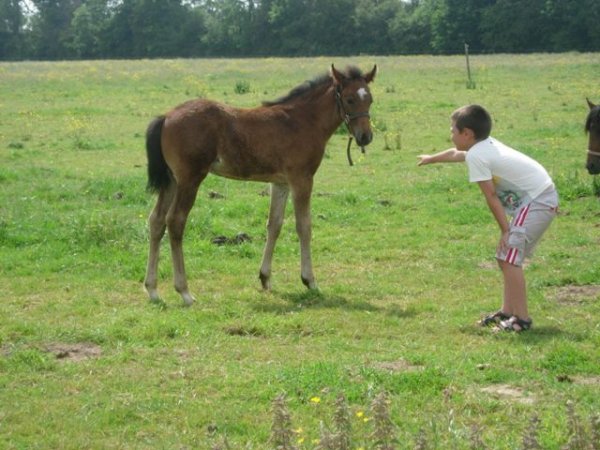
(403, 257)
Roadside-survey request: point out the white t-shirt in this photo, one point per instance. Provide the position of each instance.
(517, 177)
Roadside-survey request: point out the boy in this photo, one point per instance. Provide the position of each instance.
(513, 184)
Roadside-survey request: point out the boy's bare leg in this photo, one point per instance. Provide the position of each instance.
(515, 290)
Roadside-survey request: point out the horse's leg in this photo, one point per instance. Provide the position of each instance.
(157, 225)
(279, 195)
(176, 220)
(301, 192)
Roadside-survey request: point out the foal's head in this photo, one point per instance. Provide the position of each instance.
(592, 127)
(354, 100)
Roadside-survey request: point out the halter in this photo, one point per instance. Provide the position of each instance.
(347, 118)
(593, 153)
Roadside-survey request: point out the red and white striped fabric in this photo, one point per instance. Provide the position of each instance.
(513, 252)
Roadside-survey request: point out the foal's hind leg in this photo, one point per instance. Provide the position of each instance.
(157, 225)
(176, 220)
(279, 195)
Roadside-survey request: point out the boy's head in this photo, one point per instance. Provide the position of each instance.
(470, 124)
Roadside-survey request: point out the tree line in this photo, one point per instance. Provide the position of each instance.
(94, 29)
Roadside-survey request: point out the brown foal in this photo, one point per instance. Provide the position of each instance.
(281, 142)
(592, 127)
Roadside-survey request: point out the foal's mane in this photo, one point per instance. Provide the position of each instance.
(351, 73)
(592, 123)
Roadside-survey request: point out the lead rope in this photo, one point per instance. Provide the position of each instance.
(348, 151)
(362, 149)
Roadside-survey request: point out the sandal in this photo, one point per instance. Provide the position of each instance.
(493, 319)
(515, 324)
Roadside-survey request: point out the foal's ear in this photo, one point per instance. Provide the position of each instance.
(590, 104)
(338, 77)
(371, 75)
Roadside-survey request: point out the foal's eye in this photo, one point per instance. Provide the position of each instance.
(350, 101)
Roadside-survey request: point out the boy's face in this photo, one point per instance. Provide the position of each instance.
(462, 140)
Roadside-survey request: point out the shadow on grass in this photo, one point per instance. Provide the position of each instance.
(292, 302)
(543, 333)
(315, 299)
(536, 334)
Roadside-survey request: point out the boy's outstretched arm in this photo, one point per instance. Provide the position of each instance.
(450, 155)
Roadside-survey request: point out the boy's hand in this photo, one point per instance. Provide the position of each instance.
(423, 160)
(503, 244)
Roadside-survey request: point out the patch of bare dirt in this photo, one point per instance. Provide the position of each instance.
(400, 365)
(575, 295)
(588, 381)
(508, 392)
(74, 352)
(488, 265)
(580, 379)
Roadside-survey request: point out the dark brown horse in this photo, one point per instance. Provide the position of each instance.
(592, 127)
(281, 142)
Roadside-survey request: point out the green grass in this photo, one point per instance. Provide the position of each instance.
(403, 257)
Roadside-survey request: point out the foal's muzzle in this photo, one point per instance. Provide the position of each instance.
(593, 163)
(363, 137)
(362, 134)
(593, 167)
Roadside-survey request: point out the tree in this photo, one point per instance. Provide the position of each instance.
(87, 28)
(515, 26)
(374, 21)
(11, 27)
(574, 25)
(454, 22)
(193, 30)
(151, 29)
(261, 33)
(50, 27)
(156, 26)
(332, 30)
(228, 26)
(290, 22)
(410, 29)
(119, 38)
(313, 27)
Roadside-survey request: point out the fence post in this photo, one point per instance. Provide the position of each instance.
(470, 82)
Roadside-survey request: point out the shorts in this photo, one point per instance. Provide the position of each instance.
(527, 227)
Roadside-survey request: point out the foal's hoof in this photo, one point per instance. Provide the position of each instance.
(311, 284)
(265, 280)
(152, 293)
(188, 299)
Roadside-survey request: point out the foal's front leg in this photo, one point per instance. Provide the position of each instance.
(279, 195)
(301, 192)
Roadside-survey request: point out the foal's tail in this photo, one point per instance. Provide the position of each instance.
(159, 176)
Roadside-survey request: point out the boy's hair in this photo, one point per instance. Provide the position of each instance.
(475, 118)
